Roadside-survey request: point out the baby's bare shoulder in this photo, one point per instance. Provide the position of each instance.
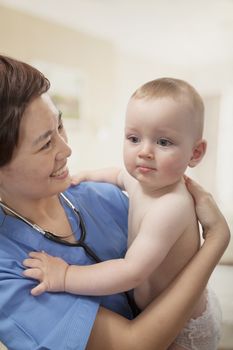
(174, 206)
(179, 196)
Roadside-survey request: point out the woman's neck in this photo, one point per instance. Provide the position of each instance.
(48, 214)
(34, 210)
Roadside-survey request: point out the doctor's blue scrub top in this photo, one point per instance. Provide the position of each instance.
(60, 321)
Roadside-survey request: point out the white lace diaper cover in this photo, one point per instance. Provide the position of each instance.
(203, 333)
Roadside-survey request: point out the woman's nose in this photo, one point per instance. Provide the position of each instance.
(64, 150)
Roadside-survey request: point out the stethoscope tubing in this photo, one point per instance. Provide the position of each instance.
(52, 237)
(56, 239)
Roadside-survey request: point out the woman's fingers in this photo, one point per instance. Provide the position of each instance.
(207, 210)
(195, 189)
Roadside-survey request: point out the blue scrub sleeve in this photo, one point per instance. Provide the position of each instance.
(35, 327)
(71, 332)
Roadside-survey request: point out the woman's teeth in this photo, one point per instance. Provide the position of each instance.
(59, 172)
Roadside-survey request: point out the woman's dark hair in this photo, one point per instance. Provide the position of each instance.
(20, 83)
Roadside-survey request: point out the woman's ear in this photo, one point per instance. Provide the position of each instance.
(199, 150)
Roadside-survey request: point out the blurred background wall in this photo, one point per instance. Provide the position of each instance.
(106, 49)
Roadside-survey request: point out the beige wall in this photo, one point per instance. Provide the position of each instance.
(29, 38)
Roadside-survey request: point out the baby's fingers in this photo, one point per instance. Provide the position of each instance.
(38, 255)
(41, 288)
(34, 273)
(33, 263)
(75, 180)
(79, 177)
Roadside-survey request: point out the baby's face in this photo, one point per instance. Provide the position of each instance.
(159, 140)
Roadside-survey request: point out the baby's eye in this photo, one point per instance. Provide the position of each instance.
(133, 139)
(164, 142)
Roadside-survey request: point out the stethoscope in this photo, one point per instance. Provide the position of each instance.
(80, 243)
(52, 237)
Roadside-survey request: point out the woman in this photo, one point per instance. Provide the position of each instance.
(35, 215)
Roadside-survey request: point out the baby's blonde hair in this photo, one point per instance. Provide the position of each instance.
(180, 91)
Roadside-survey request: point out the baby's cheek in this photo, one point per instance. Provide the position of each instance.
(175, 167)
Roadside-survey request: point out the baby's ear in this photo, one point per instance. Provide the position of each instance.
(199, 150)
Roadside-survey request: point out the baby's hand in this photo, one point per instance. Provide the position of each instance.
(49, 270)
(80, 177)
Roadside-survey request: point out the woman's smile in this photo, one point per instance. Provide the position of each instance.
(61, 173)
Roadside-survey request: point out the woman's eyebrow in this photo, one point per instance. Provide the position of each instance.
(42, 137)
(47, 133)
(59, 116)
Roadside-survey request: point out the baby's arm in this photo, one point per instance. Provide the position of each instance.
(112, 175)
(157, 235)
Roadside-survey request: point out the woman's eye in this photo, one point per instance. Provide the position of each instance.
(60, 126)
(133, 139)
(164, 142)
(47, 145)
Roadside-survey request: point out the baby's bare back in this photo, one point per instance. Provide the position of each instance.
(178, 256)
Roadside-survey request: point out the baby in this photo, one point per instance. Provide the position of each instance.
(163, 136)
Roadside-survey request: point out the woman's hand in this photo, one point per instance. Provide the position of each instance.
(208, 213)
(49, 270)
